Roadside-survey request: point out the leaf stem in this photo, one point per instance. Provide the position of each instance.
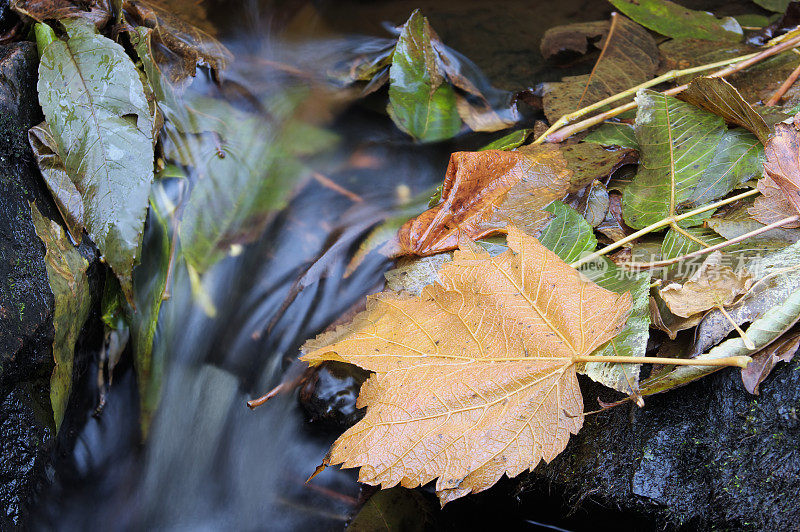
(659, 224)
(557, 132)
(738, 361)
(756, 232)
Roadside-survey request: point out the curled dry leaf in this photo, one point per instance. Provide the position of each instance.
(475, 377)
(780, 185)
(712, 285)
(766, 359)
(721, 98)
(485, 192)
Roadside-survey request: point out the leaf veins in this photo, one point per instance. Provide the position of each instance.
(475, 377)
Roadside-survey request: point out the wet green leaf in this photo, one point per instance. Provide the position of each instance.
(632, 339)
(721, 98)
(567, 234)
(68, 199)
(614, 134)
(687, 156)
(774, 5)
(420, 103)
(509, 142)
(673, 20)
(97, 110)
(243, 176)
(394, 510)
(149, 285)
(66, 272)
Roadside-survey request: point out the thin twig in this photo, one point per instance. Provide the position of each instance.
(329, 183)
(609, 37)
(784, 87)
(748, 343)
(715, 247)
(658, 225)
(557, 133)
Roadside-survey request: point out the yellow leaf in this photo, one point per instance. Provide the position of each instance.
(475, 377)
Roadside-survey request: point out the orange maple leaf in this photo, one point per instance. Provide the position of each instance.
(475, 377)
(483, 193)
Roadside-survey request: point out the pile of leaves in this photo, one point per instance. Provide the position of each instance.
(665, 230)
(666, 233)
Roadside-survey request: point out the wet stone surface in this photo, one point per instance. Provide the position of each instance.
(26, 301)
(707, 456)
(329, 393)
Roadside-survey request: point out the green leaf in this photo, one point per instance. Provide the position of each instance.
(778, 6)
(567, 234)
(97, 110)
(420, 102)
(513, 140)
(243, 177)
(721, 98)
(676, 21)
(687, 157)
(632, 339)
(149, 284)
(66, 272)
(614, 134)
(68, 199)
(394, 510)
(738, 158)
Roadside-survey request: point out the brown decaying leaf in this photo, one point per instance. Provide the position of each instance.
(185, 34)
(763, 361)
(96, 11)
(474, 378)
(629, 56)
(780, 185)
(721, 98)
(712, 285)
(485, 192)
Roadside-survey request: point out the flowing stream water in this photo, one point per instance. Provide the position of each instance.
(209, 462)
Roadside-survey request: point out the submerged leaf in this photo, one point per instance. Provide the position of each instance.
(485, 192)
(475, 367)
(629, 57)
(420, 102)
(673, 20)
(573, 38)
(244, 177)
(95, 105)
(66, 272)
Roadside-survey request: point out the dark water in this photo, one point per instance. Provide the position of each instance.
(210, 463)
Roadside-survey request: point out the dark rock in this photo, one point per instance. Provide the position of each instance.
(329, 393)
(707, 456)
(26, 301)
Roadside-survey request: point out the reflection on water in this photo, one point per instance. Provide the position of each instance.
(209, 462)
